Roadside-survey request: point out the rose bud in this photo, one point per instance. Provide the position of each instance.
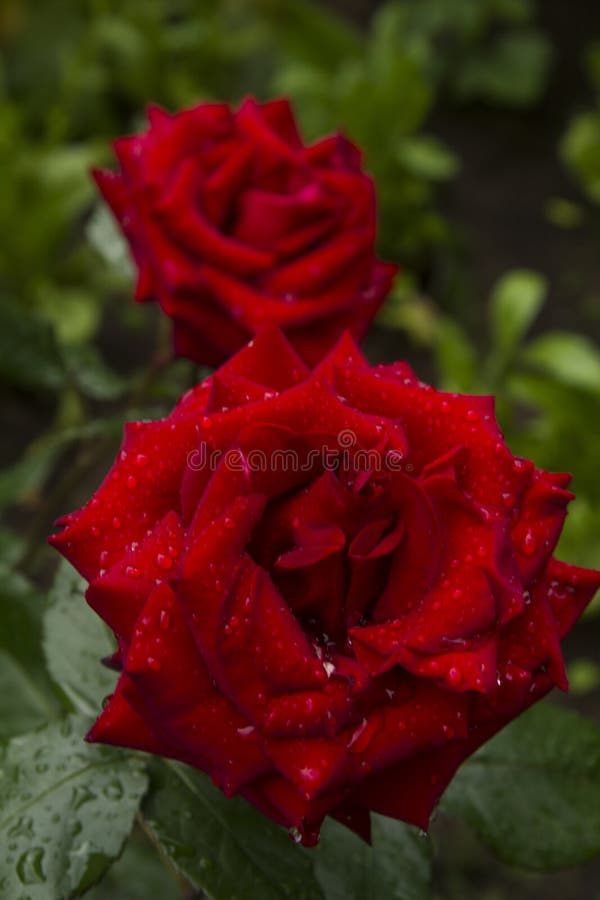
(328, 587)
(234, 223)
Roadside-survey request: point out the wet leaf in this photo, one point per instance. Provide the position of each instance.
(75, 642)
(397, 866)
(533, 792)
(140, 874)
(224, 846)
(66, 810)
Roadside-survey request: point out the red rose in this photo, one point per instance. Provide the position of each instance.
(234, 224)
(328, 587)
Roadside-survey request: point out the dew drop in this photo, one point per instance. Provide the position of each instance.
(153, 664)
(246, 732)
(141, 460)
(454, 676)
(81, 796)
(113, 791)
(132, 571)
(529, 543)
(30, 866)
(131, 482)
(163, 561)
(164, 620)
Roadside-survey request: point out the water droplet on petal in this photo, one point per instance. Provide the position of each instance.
(163, 561)
(329, 668)
(246, 732)
(454, 677)
(529, 543)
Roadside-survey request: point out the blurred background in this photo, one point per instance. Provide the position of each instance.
(480, 121)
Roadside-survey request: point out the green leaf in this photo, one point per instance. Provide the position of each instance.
(516, 300)
(75, 642)
(408, 310)
(91, 374)
(11, 546)
(139, 874)
(533, 792)
(29, 355)
(25, 698)
(569, 358)
(396, 867)
(584, 676)
(563, 213)
(512, 72)
(105, 237)
(223, 846)
(309, 32)
(580, 151)
(66, 810)
(23, 481)
(73, 312)
(427, 157)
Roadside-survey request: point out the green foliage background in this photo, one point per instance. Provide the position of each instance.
(77, 358)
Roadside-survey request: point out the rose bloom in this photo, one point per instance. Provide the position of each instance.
(328, 586)
(234, 223)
